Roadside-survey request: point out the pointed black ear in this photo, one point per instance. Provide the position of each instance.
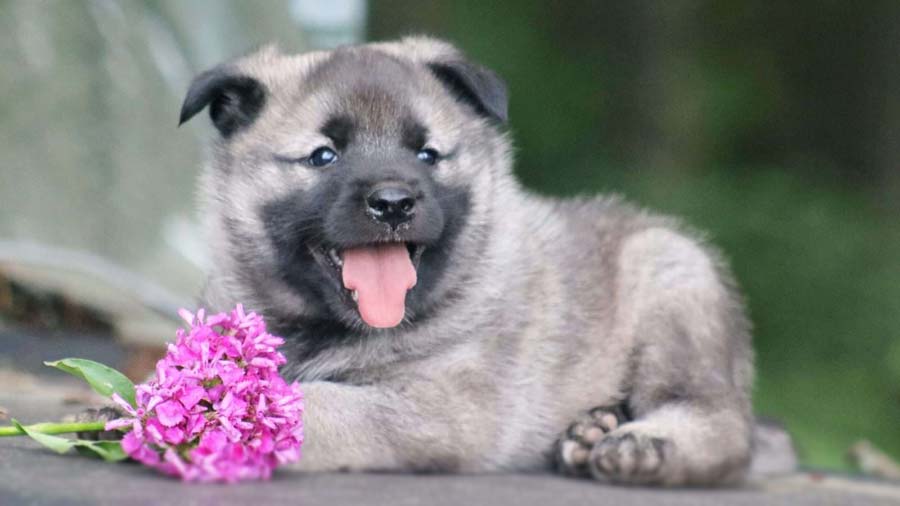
(475, 85)
(234, 100)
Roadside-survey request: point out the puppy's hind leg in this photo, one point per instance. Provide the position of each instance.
(691, 372)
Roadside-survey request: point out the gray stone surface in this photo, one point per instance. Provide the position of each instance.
(31, 475)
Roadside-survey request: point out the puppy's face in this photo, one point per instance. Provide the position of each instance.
(353, 186)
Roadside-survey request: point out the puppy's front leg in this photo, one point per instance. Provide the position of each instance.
(379, 427)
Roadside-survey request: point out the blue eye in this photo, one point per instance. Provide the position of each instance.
(428, 156)
(322, 156)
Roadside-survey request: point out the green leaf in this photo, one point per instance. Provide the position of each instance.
(110, 451)
(55, 443)
(103, 379)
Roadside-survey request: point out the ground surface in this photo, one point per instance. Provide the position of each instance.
(31, 475)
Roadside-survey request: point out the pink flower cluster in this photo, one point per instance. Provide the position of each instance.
(217, 409)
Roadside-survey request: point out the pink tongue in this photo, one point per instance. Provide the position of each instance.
(381, 275)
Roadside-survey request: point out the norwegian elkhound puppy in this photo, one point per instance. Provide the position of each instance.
(442, 318)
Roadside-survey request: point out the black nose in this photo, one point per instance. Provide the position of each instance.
(391, 204)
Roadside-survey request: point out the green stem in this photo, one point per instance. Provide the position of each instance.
(53, 428)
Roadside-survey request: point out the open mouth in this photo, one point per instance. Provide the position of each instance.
(375, 277)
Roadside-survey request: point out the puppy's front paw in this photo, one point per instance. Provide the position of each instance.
(104, 414)
(628, 456)
(574, 447)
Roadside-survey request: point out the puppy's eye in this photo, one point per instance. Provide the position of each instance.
(322, 156)
(428, 156)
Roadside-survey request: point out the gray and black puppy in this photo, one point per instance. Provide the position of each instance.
(442, 318)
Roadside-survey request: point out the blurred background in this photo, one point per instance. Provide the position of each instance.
(774, 126)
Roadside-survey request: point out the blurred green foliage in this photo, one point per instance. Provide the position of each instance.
(772, 126)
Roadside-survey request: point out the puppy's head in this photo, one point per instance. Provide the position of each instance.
(352, 186)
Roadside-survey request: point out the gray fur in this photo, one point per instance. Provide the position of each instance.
(545, 310)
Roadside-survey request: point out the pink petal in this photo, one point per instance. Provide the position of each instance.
(118, 423)
(186, 316)
(170, 413)
(123, 404)
(154, 430)
(153, 402)
(191, 395)
(171, 457)
(233, 434)
(173, 436)
(131, 443)
(212, 442)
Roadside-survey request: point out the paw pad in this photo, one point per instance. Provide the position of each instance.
(575, 445)
(627, 458)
